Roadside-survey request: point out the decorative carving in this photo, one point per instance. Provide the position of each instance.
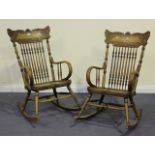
(126, 39)
(28, 35)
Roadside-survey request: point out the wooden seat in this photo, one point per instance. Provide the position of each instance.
(40, 71)
(51, 84)
(118, 76)
(109, 91)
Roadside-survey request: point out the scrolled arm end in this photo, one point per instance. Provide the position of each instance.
(88, 77)
(133, 79)
(70, 70)
(27, 77)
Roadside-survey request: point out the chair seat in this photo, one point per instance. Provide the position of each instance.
(109, 91)
(51, 84)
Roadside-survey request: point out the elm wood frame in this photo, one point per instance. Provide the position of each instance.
(33, 65)
(123, 75)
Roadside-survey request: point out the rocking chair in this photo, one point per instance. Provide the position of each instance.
(118, 76)
(33, 59)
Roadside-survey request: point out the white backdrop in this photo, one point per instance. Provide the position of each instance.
(79, 41)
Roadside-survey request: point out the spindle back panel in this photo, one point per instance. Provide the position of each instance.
(124, 55)
(32, 50)
(123, 62)
(33, 56)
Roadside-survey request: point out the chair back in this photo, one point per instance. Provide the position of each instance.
(125, 53)
(31, 48)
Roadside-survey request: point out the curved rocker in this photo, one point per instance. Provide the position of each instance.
(87, 115)
(85, 105)
(134, 123)
(67, 108)
(28, 117)
(58, 104)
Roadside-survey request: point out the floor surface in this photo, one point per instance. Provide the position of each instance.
(57, 122)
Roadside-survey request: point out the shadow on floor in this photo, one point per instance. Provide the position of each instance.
(57, 122)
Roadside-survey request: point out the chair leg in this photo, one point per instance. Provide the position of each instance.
(37, 103)
(100, 101)
(83, 107)
(131, 123)
(138, 113)
(126, 113)
(56, 95)
(23, 107)
(26, 100)
(85, 104)
(76, 108)
(134, 106)
(73, 95)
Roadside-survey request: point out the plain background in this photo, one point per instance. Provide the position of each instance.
(80, 42)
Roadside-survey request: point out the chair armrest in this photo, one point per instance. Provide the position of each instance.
(59, 63)
(88, 78)
(133, 80)
(27, 77)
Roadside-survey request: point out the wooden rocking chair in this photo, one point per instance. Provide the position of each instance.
(34, 55)
(118, 76)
